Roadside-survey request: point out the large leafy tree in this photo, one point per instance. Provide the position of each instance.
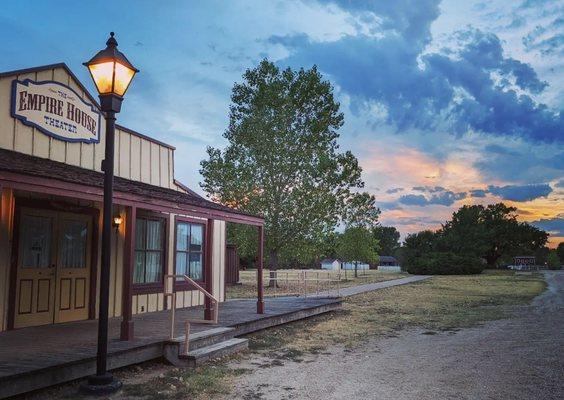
(491, 232)
(357, 244)
(560, 252)
(388, 239)
(283, 161)
(419, 244)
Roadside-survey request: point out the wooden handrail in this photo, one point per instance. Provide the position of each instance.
(214, 301)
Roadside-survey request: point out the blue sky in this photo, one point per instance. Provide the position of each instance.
(446, 102)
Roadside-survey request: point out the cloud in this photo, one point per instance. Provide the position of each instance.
(394, 190)
(429, 189)
(554, 226)
(445, 198)
(454, 89)
(521, 193)
(541, 38)
(413, 200)
(478, 193)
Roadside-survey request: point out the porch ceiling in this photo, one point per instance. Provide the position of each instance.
(25, 172)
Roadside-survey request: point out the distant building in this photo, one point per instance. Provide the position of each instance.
(351, 265)
(524, 263)
(388, 264)
(331, 264)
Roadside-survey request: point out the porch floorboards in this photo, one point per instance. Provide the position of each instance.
(35, 357)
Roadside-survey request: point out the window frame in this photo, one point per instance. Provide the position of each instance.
(151, 287)
(183, 285)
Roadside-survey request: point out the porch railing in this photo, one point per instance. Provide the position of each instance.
(172, 295)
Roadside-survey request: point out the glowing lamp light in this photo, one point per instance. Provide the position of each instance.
(118, 220)
(111, 71)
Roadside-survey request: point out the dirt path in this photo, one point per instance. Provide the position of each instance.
(517, 358)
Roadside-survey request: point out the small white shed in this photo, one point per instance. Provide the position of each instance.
(351, 265)
(331, 264)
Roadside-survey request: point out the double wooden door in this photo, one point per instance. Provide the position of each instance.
(53, 268)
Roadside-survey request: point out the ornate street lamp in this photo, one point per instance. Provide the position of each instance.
(112, 73)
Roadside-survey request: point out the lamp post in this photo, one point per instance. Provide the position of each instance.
(112, 73)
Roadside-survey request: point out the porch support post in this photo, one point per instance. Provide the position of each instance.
(208, 270)
(260, 295)
(128, 260)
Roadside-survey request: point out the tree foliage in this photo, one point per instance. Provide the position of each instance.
(357, 244)
(388, 239)
(553, 260)
(560, 252)
(489, 233)
(283, 162)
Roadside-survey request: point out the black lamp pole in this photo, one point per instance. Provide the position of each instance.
(110, 103)
(104, 382)
(108, 167)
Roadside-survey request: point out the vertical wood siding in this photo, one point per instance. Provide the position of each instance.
(137, 158)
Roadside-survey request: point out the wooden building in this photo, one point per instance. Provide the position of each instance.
(331, 264)
(51, 185)
(388, 264)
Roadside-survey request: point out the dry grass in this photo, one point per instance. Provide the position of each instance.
(290, 283)
(441, 303)
(202, 383)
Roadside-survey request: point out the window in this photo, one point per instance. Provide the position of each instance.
(74, 240)
(36, 239)
(189, 250)
(149, 250)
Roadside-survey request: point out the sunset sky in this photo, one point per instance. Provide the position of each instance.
(446, 103)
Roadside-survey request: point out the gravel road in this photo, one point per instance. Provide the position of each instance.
(517, 358)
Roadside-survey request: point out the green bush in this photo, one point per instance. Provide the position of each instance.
(444, 263)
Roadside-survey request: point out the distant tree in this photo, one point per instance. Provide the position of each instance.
(246, 239)
(329, 246)
(282, 160)
(552, 260)
(357, 244)
(420, 243)
(361, 210)
(560, 252)
(388, 239)
(489, 232)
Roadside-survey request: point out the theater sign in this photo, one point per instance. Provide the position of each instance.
(55, 110)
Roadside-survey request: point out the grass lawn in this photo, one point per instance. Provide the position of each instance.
(289, 284)
(441, 303)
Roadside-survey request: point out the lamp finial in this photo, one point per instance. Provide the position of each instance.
(112, 42)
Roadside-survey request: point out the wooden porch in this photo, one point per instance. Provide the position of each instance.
(37, 357)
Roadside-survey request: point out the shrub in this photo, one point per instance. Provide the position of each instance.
(444, 263)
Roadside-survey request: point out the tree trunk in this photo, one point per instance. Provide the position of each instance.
(356, 269)
(273, 267)
(491, 259)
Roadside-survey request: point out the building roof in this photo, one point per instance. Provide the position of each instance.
(388, 259)
(329, 260)
(25, 164)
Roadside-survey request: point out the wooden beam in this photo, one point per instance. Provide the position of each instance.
(208, 270)
(128, 266)
(85, 192)
(260, 289)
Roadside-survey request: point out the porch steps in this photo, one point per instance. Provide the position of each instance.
(217, 350)
(204, 345)
(204, 338)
